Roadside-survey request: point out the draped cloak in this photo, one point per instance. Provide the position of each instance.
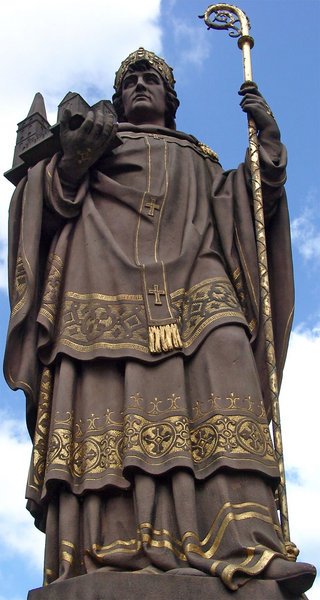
(157, 234)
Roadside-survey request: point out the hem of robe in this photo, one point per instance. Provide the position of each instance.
(227, 527)
(124, 481)
(127, 350)
(100, 422)
(37, 502)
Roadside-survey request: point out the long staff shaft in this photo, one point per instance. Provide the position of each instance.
(226, 17)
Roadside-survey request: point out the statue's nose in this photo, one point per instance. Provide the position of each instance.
(140, 85)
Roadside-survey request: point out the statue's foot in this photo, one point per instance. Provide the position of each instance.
(295, 577)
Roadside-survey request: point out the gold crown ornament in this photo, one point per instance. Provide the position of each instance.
(155, 61)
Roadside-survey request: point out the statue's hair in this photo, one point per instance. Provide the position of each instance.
(172, 101)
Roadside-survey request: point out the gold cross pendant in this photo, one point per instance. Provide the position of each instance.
(152, 205)
(157, 293)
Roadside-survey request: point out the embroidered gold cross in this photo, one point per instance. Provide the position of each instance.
(157, 294)
(152, 205)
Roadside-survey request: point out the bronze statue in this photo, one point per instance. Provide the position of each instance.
(135, 334)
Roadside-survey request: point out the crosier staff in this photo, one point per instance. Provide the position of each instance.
(227, 16)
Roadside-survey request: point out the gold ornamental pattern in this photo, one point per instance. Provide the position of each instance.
(41, 435)
(20, 289)
(248, 560)
(203, 304)
(52, 288)
(156, 434)
(98, 321)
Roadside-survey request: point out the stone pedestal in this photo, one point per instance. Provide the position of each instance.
(134, 586)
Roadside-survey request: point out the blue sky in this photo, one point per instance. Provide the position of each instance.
(76, 46)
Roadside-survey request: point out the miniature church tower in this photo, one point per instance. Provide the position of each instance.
(33, 128)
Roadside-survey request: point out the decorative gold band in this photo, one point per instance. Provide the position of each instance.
(155, 61)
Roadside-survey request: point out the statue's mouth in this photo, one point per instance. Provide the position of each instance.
(141, 97)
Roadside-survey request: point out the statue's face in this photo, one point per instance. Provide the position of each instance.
(144, 97)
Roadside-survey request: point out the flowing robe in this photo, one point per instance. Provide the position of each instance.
(149, 453)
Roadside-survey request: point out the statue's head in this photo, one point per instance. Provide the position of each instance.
(141, 65)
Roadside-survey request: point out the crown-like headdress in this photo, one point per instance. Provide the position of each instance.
(155, 61)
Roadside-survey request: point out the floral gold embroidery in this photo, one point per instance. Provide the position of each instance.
(153, 433)
(204, 441)
(203, 304)
(96, 321)
(86, 321)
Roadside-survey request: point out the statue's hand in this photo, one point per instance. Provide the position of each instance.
(255, 105)
(82, 147)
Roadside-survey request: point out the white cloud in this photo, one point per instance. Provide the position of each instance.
(300, 417)
(314, 593)
(190, 42)
(66, 46)
(72, 42)
(194, 42)
(300, 400)
(305, 229)
(18, 536)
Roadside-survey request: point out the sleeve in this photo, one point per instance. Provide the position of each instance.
(232, 209)
(62, 198)
(21, 365)
(273, 162)
(40, 211)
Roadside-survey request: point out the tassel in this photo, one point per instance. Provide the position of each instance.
(163, 338)
(151, 340)
(154, 340)
(177, 341)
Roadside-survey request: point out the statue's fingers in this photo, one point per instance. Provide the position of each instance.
(65, 119)
(252, 104)
(253, 98)
(249, 89)
(88, 123)
(108, 125)
(98, 123)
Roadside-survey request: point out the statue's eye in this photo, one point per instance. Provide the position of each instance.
(129, 82)
(151, 78)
